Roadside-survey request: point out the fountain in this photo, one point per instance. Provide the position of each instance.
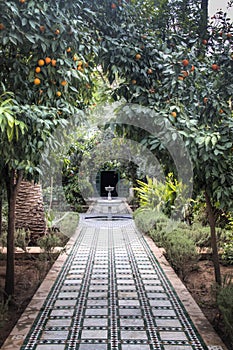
(109, 189)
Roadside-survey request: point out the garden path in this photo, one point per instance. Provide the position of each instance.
(113, 291)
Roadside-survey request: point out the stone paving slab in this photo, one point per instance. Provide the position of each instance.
(111, 293)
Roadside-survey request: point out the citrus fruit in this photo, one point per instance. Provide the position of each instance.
(138, 56)
(185, 62)
(134, 81)
(41, 63)
(58, 93)
(2, 26)
(192, 69)
(38, 69)
(149, 71)
(215, 66)
(47, 60)
(37, 81)
(53, 63)
(64, 83)
(174, 114)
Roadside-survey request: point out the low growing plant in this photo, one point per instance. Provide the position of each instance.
(227, 255)
(48, 243)
(225, 305)
(149, 219)
(180, 250)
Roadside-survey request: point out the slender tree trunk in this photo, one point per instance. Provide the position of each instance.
(204, 18)
(12, 183)
(214, 245)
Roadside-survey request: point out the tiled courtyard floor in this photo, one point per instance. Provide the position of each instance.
(111, 293)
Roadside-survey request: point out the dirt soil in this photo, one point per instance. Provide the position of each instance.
(31, 272)
(201, 285)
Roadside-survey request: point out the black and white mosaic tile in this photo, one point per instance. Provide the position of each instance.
(112, 294)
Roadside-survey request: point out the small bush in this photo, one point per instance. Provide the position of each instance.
(200, 235)
(227, 255)
(225, 304)
(180, 251)
(22, 238)
(48, 243)
(148, 219)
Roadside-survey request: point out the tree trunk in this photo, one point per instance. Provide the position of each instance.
(12, 184)
(214, 245)
(30, 210)
(204, 19)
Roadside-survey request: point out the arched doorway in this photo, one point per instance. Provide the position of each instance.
(108, 178)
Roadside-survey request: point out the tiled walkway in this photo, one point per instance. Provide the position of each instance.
(111, 294)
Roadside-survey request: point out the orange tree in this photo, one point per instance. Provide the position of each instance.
(46, 54)
(185, 77)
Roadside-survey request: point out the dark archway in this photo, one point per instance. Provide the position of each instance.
(108, 178)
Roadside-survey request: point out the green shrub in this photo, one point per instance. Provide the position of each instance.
(227, 255)
(149, 219)
(225, 304)
(22, 237)
(167, 197)
(48, 243)
(200, 235)
(180, 251)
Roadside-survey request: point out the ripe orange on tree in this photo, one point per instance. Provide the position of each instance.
(215, 66)
(192, 69)
(47, 60)
(185, 62)
(64, 83)
(22, 1)
(53, 63)
(37, 81)
(221, 111)
(134, 81)
(205, 99)
(41, 63)
(68, 49)
(57, 32)
(38, 69)
(149, 71)
(184, 73)
(138, 56)
(204, 42)
(58, 93)
(2, 26)
(174, 114)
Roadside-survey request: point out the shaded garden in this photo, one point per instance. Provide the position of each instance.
(61, 59)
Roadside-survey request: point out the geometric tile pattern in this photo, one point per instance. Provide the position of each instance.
(112, 294)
